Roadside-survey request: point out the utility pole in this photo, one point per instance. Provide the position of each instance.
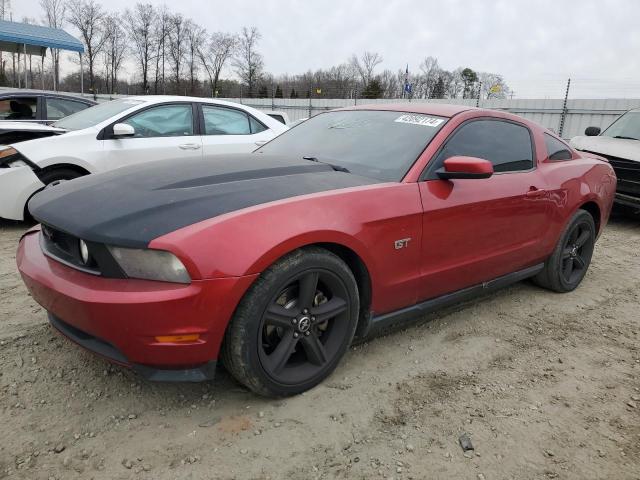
(564, 109)
(479, 93)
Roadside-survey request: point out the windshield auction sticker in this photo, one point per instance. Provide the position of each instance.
(419, 120)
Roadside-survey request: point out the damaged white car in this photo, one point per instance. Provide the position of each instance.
(124, 132)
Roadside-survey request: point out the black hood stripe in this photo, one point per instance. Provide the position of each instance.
(242, 175)
(131, 206)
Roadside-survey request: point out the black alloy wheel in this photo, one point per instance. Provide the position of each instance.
(304, 326)
(568, 264)
(577, 252)
(294, 324)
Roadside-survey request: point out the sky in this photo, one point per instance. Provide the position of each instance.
(535, 44)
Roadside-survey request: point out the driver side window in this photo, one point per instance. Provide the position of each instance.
(163, 121)
(506, 145)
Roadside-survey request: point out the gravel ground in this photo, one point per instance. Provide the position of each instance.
(544, 385)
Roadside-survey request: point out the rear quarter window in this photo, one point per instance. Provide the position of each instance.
(277, 117)
(557, 149)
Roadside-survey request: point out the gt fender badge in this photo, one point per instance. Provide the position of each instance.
(402, 243)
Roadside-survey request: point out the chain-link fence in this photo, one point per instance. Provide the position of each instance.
(567, 118)
(562, 113)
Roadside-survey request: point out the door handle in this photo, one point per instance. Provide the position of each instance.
(535, 192)
(189, 146)
(259, 143)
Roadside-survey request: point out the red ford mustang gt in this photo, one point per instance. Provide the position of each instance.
(273, 262)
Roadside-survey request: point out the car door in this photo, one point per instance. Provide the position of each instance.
(164, 131)
(475, 230)
(231, 130)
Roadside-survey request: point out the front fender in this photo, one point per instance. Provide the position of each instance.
(312, 238)
(367, 220)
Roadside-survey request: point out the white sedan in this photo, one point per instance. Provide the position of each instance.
(127, 131)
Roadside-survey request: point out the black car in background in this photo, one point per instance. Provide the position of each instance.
(25, 113)
(39, 106)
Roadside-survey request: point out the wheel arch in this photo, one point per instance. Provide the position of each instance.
(51, 168)
(59, 166)
(355, 258)
(594, 210)
(363, 279)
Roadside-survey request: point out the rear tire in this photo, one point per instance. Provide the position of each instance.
(568, 264)
(294, 324)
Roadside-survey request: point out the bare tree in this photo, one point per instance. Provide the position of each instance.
(492, 85)
(389, 84)
(54, 17)
(116, 48)
(365, 65)
(431, 71)
(214, 54)
(88, 17)
(161, 36)
(178, 43)
(5, 8)
(196, 35)
(456, 85)
(248, 62)
(141, 32)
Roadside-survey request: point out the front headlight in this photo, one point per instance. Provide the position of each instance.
(150, 264)
(10, 157)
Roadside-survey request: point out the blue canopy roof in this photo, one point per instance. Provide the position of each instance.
(14, 35)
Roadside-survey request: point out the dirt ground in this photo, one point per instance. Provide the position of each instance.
(545, 385)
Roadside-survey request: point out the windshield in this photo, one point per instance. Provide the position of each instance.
(627, 126)
(376, 144)
(94, 115)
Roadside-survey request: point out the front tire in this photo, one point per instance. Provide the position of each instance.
(294, 324)
(570, 260)
(58, 175)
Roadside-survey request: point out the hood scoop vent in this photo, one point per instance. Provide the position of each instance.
(246, 175)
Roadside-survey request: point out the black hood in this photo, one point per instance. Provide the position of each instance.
(131, 206)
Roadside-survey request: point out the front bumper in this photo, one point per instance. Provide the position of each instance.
(627, 200)
(17, 185)
(120, 319)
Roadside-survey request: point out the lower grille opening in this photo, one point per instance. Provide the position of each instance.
(88, 341)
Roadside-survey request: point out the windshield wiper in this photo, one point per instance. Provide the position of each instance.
(626, 138)
(337, 168)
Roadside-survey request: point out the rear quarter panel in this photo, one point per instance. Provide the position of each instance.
(573, 183)
(368, 220)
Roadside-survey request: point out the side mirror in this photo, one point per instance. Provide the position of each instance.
(123, 130)
(592, 131)
(465, 167)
